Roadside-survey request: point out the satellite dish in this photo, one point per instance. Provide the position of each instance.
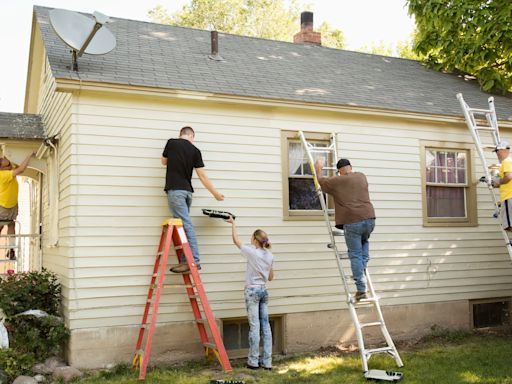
(82, 34)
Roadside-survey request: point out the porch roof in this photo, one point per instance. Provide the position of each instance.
(21, 126)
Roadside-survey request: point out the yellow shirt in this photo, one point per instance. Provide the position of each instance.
(505, 189)
(8, 189)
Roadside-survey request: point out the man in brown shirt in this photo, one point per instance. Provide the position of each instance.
(354, 214)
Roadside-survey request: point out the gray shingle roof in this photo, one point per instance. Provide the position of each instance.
(21, 126)
(163, 56)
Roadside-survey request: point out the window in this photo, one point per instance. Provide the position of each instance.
(490, 313)
(449, 196)
(300, 198)
(235, 334)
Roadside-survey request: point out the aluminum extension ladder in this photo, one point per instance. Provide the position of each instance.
(486, 138)
(373, 299)
(172, 231)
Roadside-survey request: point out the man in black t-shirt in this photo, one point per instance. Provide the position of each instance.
(181, 157)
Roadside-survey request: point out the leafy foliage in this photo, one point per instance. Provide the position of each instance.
(43, 337)
(32, 290)
(31, 338)
(15, 363)
(269, 19)
(468, 36)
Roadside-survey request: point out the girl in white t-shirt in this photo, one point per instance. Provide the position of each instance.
(259, 271)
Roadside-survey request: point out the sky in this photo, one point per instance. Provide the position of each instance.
(364, 23)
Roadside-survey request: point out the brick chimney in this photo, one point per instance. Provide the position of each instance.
(306, 34)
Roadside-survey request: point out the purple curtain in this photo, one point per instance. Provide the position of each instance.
(446, 201)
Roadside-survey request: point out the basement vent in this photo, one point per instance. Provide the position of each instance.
(235, 334)
(491, 313)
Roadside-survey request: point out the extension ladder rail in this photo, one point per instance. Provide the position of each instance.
(480, 134)
(173, 233)
(373, 299)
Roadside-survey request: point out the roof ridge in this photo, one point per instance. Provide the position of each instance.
(313, 46)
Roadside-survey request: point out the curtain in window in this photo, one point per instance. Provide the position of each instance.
(446, 201)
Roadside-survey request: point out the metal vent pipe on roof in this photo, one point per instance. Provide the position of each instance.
(306, 20)
(215, 46)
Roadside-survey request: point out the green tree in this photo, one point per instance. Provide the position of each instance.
(405, 48)
(333, 38)
(269, 19)
(468, 36)
(380, 48)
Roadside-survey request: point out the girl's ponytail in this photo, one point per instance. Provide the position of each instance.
(262, 238)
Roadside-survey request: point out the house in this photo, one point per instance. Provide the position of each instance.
(437, 257)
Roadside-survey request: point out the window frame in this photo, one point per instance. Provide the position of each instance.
(471, 219)
(286, 136)
(474, 302)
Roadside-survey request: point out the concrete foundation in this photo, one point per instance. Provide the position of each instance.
(307, 331)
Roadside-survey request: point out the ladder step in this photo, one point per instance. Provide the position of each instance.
(177, 286)
(370, 300)
(484, 129)
(194, 297)
(201, 321)
(379, 350)
(210, 345)
(364, 325)
(479, 110)
(321, 150)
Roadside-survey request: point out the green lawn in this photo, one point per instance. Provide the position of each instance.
(442, 359)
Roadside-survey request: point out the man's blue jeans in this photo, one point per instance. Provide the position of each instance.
(179, 204)
(256, 301)
(356, 238)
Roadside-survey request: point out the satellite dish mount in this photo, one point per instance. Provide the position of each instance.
(82, 34)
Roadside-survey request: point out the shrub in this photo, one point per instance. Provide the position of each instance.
(31, 337)
(15, 363)
(32, 290)
(43, 337)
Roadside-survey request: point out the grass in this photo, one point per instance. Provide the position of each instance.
(440, 358)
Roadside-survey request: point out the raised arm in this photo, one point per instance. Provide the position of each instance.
(208, 184)
(234, 232)
(21, 168)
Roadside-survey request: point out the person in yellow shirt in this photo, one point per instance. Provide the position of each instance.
(9, 195)
(502, 150)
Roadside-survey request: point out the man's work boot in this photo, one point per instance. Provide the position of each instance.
(360, 296)
(182, 268)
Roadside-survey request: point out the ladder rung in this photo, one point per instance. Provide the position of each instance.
(484, 129)
(379, 350)
(178, 247)
(479, 110)
(369, 300)
(321, 150)
(364, 325)
(201, 321)
(178, 286)
(210, 345)
(193, 296)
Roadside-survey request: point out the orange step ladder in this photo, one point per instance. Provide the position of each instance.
(172, 231)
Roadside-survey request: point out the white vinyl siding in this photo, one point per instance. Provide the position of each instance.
(113, 205)
(55, 109)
